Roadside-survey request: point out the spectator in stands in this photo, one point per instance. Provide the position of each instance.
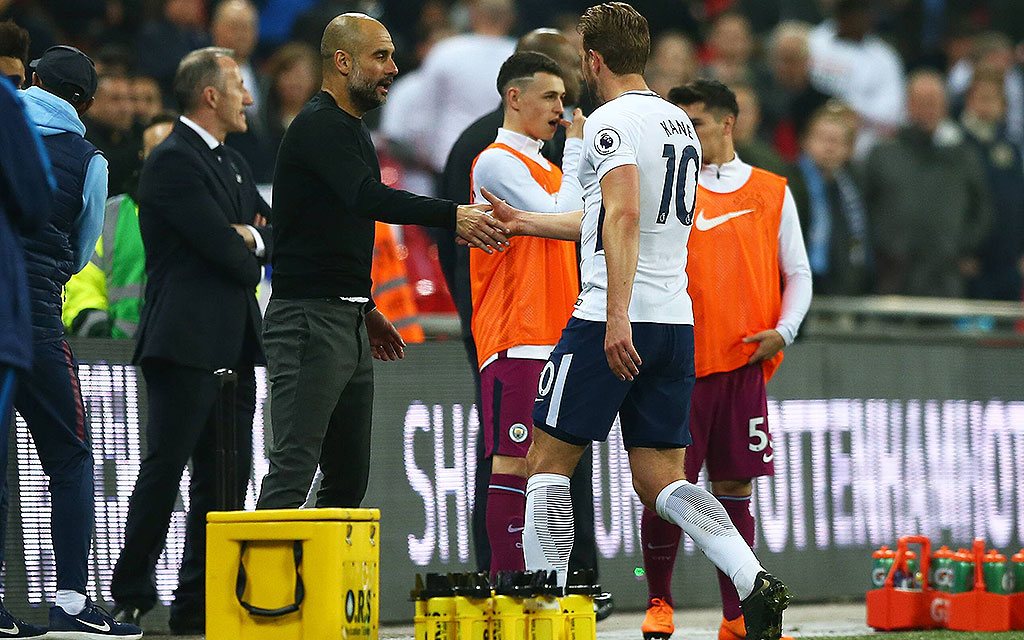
(927, 200)
(852, 64)
(1002, 253)
(294, 76)
(789, 98)
(833, 216)
(747, 144)
(103, 299)
(109, 126)
(673, 62)
(146, 99)
(114, 60)
(459, 76)
(993, 51)
(235, 25)
(403, 131)
(13, 52)
(731, 46)
(161, 43)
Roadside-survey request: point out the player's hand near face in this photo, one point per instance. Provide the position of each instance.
(479, 228)
(385, 341)
(574, 127)
(770, 342)
(623, 359)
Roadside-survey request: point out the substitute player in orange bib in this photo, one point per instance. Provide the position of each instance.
(523, 297)
(746, 240)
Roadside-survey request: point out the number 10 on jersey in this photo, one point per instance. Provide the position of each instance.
(683, 177)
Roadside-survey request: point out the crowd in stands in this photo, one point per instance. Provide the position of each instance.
(899, 124)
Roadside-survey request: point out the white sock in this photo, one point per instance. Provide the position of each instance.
(705, 520)
(70, 601)
(548, 530)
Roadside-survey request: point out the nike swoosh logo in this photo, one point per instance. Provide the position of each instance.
(512, 529)
(659, 546)
(705, 224)
(99, 627)
(12, 631)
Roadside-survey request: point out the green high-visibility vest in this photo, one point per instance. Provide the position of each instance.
(124, 259)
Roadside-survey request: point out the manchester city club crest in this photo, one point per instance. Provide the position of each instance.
(607, 141)
(518, 433)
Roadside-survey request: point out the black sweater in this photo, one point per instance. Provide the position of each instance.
(327, 194)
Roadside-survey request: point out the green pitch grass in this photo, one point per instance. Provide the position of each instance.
(938, 634)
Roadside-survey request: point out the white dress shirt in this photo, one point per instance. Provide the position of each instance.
(213, 143)
(796, 269)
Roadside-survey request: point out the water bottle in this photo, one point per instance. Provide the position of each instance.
(882, 561)
(993, 569)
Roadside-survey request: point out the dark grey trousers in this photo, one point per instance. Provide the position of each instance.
(321, 399)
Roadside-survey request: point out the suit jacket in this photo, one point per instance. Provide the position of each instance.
(200, 305)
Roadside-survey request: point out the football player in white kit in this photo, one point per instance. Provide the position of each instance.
(628, 348)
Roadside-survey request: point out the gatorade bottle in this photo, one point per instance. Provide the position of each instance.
(578, 605)
(1018, 571)
(472, 605)
(544, 617)
(941, 578)
(993, 569)
(420, 616)
(963, 571)
(440, 598)
(508, 618)
(883, 559)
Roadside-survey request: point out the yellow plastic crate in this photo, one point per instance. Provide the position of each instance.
(292, 574)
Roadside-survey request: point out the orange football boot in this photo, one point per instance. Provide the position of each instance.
(736, 630)
(658, 621)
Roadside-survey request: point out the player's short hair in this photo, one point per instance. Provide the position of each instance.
(716, 97)
(619, 33)
(523, 65)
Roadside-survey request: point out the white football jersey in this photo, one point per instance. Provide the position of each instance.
(640, 128)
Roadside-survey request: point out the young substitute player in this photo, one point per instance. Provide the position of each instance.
(523, 296)
(746, 241)
(628, 348)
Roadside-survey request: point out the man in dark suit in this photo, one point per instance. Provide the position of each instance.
(455, 184)
(197, 203)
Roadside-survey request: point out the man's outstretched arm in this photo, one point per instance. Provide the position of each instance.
(557, 226)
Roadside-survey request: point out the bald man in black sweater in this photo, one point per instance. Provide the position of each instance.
(321, 327)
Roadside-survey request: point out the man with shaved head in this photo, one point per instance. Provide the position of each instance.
(321, 326)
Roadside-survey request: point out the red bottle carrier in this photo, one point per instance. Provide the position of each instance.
(891, 609)
(1017, 599)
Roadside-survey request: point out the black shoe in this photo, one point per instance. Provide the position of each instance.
(188, 625)
(604, 605)
(11, 627)
(762, 610)
(127, 613)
